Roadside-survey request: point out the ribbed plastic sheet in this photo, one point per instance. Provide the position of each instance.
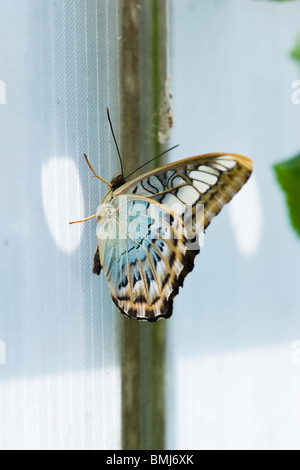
(233, 341)
(60, 386)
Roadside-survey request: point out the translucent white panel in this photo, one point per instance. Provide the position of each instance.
(231, 400)
(60, 384)
(247, 218)
(61, 411)
(231, 379)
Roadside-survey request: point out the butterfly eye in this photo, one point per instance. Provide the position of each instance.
(104, 212)
(108, 212)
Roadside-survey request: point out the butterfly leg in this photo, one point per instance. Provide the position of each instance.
(97, 265)
(94, 173)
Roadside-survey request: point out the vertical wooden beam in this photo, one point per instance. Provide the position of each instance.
(143, 77)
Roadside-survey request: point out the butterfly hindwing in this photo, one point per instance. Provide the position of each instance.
(151, 236)
(146, 257)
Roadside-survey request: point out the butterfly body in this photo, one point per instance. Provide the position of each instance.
(149, 227)
(117, 181)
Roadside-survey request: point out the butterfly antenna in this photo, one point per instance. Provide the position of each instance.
(113, 134)
(83, 220)
(152, 160)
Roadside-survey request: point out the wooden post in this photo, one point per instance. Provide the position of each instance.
(143, 78)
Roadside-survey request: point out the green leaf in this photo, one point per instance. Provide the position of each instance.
(295, 53)
(288, 176)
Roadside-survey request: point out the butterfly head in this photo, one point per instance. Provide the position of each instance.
(117, 181)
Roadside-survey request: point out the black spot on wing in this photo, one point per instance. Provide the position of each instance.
(157, 299)
(125, 298)
(172, 259)
(166, 279)
(132, 313)
(149, 277)
(155, 258)
(128, 251)
(149, 315)
(156, 190)
(136, 277)
(140, 299)
(160, 245)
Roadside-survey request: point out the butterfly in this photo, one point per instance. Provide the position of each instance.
(149, 228)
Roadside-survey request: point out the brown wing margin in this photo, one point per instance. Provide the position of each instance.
(188, 260)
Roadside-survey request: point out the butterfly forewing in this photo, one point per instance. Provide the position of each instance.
(153, 234)
(211, 180)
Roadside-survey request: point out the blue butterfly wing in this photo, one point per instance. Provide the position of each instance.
(148, 252)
